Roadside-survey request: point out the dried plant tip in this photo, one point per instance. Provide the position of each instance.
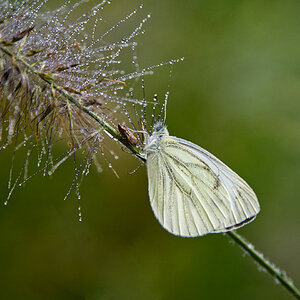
(6, 43)
(127, 135)
(5, 75)
(77, 46)
(74, 65)
(33, 52)
(20, 35)
(113, 80)
(46, 112)
(61, 68)
(90, 102)
(71, 90)
(46, 76)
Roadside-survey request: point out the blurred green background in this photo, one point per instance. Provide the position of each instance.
(237, 94)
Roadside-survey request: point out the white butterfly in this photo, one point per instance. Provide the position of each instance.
(191, 192)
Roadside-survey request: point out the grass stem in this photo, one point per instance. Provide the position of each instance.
(276, 273)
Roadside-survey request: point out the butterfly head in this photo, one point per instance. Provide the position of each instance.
(160, 129)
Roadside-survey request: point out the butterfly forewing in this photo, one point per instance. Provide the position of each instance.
(192, 193)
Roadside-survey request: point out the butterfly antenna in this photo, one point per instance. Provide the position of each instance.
(143, 109)
(163, 109)
(154, 111)
(168, 93)
(165, 106)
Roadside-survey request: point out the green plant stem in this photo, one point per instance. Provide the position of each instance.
(263, 262)
(258, 257)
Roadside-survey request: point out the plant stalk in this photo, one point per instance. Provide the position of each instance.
(276, 273)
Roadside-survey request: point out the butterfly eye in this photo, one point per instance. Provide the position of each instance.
(159, 126)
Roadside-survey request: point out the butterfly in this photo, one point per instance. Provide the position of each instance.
(192, 192)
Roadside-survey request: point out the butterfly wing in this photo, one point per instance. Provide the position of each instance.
(193, 193)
